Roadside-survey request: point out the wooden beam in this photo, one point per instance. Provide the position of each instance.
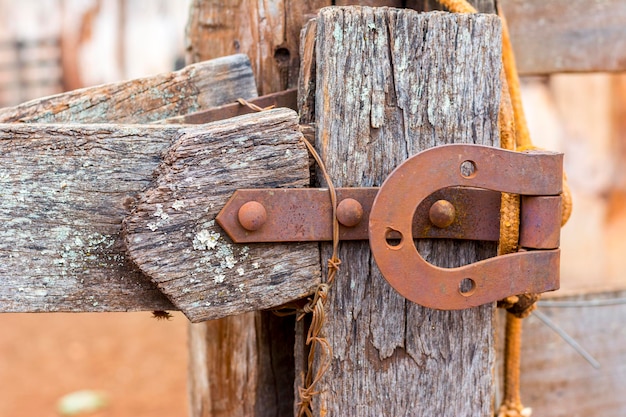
(567, 35)
(65, 190)
(286, 98)
(124, 287)
(64, 193)
(389, 84)
(195, 87)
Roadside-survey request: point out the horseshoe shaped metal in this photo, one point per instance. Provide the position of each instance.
(532, 174)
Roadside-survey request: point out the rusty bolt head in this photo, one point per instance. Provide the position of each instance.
(252, 215)
(442, 213)
(349, 212)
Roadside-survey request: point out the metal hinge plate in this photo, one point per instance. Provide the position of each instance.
(451, 191)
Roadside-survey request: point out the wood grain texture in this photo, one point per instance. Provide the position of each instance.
(306, 80)
(195, 87)
(227, 348)
(172, 235)
(236, 371)
(64, 191)
(390, 83)
(555, 380)
(268, 32)
(567, 35)
(84, 188)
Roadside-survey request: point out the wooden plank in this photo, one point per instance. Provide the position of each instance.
(306, 81)
(567, 35)
(124, 287)
(66, 189)
(402, 82)
(64, 193)
(195, 87)
(268, 32)
(557, 381)
(172, 235)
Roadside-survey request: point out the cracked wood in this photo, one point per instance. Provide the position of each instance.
(390, 83)
(172, 235)
(144, 100)
(35, 164)
(66, 189)
(252, 352)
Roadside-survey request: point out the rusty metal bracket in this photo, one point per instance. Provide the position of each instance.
(451, 191)
(305, 214)
(531, 174)
(286, 98)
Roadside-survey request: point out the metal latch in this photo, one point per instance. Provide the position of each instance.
(450, 191)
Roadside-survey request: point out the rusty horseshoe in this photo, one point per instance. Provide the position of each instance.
(537, 175)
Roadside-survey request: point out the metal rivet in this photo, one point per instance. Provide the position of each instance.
(442, 213)
(349, 212)
(252, 215)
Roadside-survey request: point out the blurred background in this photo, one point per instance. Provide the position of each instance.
(134, 363)
(140, 364)
(50, 46)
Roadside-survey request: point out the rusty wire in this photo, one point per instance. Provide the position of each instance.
(315, 338)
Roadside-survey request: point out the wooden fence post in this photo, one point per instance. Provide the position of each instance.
(390, 83)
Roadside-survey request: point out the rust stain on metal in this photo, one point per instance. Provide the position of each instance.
(287, 98)
(349, 212)
(252, 216)
(540, 222)
(305, 214)
(442, 213)
(533, 174)
(431, 195)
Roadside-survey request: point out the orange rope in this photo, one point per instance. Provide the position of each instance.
(522, 137)
(458, 6)
(522, 134)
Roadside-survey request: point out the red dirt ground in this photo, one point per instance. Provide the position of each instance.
(139, 362)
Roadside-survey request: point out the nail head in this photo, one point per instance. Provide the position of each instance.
(442, 213)
(349, 212)
(252, 216)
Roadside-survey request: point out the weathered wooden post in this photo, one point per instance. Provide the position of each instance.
(391, 83)
(376, 86)
(78, 247)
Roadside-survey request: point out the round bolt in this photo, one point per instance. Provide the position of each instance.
(442, 213)
(252, 215)
(349, 212)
